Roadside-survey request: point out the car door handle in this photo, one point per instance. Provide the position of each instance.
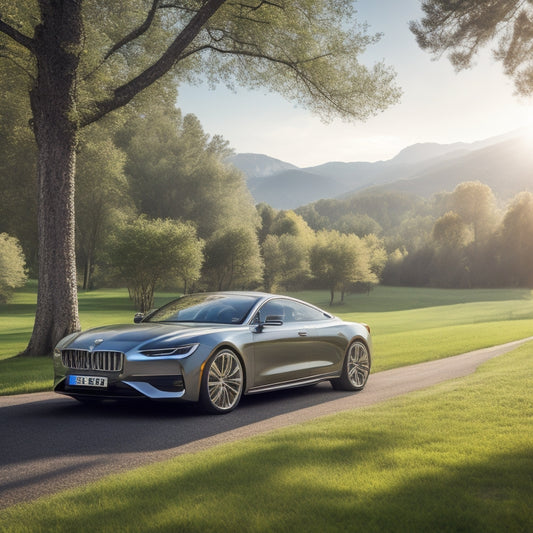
(302, 334)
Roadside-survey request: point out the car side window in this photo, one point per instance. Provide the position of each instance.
(291, 311)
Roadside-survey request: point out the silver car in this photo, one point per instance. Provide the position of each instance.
(212, 348)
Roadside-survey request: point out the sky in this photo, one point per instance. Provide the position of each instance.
(437, 105)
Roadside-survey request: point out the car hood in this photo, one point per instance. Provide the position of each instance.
(127, 336)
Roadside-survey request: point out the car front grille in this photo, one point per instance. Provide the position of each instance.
(99, 360)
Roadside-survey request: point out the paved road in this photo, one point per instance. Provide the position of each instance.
(50, 442)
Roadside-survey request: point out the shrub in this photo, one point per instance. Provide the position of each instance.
(12, 266)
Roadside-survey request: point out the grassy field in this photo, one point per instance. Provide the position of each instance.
(408, 325)
(455, 457)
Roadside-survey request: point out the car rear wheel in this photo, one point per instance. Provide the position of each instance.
(222, 382)
(355, 369)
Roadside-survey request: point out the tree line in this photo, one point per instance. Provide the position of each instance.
(461, 239)
(158, 206)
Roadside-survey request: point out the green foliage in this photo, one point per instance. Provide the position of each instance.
(462, 27)
(384, 210)
(101, 191)
(289, 223)
(515, 242)
(12, 266)
(358, 224)
(308, 52)
(177, 171)
(475, 203)
(233, 260)
(266, 216)
(147, 253)
(451, 232)
(18, 211)
(286, 259)
(338, 261)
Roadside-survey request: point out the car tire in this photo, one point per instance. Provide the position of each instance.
(355, 369)
(222, 382)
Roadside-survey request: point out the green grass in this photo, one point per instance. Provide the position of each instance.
(22, 375)
(408, 325)
(454, 457)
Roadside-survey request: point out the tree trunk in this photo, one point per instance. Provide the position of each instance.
(87, 268)
(55, 126)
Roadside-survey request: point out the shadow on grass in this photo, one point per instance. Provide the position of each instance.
(278, 486)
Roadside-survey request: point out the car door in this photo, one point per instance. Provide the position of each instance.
(288, 352)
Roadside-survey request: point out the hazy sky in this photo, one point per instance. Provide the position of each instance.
(438, 104)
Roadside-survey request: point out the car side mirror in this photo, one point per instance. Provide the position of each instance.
(271, 320)
(138, 318)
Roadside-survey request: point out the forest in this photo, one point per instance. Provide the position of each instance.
(158, 206)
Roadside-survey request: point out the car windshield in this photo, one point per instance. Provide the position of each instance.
(214, 308)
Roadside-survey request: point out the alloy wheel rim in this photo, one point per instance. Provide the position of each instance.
(358, 364)
(224, 381)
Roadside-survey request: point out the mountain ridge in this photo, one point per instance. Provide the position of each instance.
(503, 162)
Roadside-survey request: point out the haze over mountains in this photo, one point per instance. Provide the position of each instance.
(504, 163)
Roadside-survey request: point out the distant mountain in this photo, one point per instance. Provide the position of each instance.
(505, 163)
(258, 165)
(292, 188)
(506, 167)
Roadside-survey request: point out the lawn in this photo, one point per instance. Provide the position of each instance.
(454, 457)
(408, 325)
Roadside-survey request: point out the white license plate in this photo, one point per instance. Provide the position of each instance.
(87, 381)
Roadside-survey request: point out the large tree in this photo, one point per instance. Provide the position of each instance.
(177, 171)
(461, 28)
(87, 58)
(515, 244)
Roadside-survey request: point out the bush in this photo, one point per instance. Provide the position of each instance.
(12, 266)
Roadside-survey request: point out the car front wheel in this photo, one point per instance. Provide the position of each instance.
(355, 369)
(222, 382)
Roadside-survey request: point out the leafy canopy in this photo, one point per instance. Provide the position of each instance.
(308, 51)
(460, 28)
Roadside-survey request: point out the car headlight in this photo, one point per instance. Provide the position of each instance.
(178, 351)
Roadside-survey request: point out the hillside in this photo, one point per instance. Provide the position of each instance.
(505, 163)
(293, 188)
(259, 165)
(507, 168)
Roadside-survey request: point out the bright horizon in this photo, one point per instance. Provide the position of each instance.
(437, 105)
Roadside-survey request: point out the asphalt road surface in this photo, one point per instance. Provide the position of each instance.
(50, 442)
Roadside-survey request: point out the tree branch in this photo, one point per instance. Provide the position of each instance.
(311, 85)
(122, 95)
(18, 37)
(137, 32)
